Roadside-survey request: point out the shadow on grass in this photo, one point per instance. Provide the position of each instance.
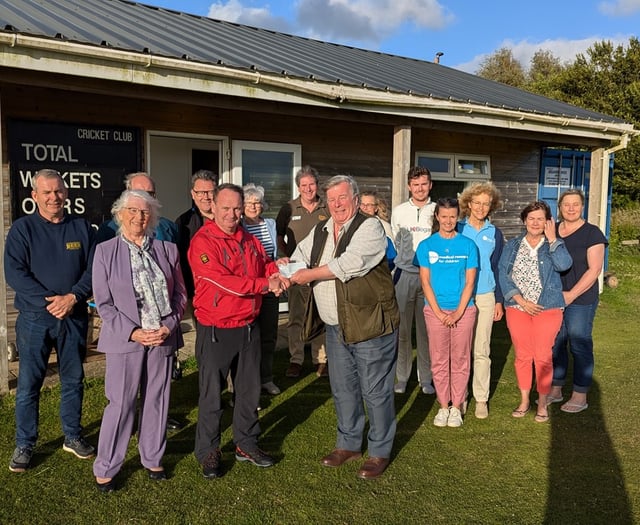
(500, 346)
(300, 397)
(585, 475)
(411, 413)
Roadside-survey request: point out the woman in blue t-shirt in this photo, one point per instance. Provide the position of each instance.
(448, 263)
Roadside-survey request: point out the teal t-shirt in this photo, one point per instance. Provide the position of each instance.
(448, 261)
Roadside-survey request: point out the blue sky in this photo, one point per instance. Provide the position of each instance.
(466, 31)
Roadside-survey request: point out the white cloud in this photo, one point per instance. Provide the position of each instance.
(234, 11)
(619, 7)
(523, 51)
(343, 21)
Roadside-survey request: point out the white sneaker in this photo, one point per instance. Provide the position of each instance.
(271, 388)
(455, 418)
(428, 389)
(442, 417)
(400, 387)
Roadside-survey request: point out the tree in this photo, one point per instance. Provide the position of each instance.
(543, 71)
(606, 79)
(501, 66)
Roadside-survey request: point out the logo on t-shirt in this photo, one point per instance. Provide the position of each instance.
(74, 245)
(433, 257)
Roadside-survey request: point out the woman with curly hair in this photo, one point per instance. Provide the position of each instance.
(477, 202)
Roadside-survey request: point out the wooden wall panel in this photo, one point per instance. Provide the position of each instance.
(352, 146)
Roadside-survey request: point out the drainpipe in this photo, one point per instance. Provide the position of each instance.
(604, 167)
(606, 156)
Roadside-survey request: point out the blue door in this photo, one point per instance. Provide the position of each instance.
(562, 169)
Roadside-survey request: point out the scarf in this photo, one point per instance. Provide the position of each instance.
(149, 285)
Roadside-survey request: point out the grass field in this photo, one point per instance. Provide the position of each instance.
(578, 469)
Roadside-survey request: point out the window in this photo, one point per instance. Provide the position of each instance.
(457, 166)
(270, 165)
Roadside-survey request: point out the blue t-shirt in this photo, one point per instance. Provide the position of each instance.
(448, 261)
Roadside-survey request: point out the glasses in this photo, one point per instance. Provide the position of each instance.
(483, 204)
(363, 205)
(136, 211)
(252, 204)
(203, 193)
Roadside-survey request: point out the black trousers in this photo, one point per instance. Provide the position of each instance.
(218, 351)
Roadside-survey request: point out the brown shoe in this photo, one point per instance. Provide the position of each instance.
(294, 370)
(373, 468)
(322, 370)
(339, 456)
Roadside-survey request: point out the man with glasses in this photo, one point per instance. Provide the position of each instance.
(47, 262)
(203, 182)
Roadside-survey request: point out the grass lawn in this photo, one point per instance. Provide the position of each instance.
(582, 469)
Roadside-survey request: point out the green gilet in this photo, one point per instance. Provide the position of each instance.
(367, 306)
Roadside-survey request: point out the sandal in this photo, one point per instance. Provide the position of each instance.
(551, 400)
(573, 408)
(541, 418)
(520, 413)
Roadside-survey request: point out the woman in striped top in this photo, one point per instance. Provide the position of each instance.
(265, 230)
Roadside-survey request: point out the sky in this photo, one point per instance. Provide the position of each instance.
(465, 31)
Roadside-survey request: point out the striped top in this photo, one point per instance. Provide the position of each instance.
(262, 233)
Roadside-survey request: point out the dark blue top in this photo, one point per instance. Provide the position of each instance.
(578, 243)
(43, 258)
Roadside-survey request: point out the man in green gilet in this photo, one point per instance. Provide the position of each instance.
(355, 298)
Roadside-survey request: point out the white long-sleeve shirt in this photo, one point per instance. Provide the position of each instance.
(410, 225)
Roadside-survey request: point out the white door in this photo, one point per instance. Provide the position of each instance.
(173, 158)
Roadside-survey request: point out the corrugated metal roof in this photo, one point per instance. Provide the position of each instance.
(137, 27)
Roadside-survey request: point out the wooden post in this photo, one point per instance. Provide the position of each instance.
(401, 164)
(4, 194)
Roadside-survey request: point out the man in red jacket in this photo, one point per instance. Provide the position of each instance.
(231, 272)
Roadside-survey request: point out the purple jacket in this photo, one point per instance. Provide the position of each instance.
(115, 300)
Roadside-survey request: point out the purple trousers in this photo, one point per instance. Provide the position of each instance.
(147, 373)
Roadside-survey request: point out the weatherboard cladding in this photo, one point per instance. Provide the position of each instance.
(137, 27)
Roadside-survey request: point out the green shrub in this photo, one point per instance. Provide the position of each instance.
(625, 225)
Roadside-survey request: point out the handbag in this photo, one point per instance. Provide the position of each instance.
(312, 325)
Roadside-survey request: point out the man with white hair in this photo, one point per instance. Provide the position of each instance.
(352, 287)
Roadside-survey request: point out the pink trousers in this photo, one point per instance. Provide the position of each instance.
(533, 337)
(450, 352)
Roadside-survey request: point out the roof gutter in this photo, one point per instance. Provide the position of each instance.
(53, 55)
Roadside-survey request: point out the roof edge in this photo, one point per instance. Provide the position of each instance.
(161, 71)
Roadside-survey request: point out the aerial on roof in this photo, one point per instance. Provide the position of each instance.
(133, 26)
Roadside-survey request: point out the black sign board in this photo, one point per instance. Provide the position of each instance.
(92, 159)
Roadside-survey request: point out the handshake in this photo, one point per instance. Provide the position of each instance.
(279, 282)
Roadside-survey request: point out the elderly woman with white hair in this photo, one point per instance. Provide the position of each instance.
(265, 230)
(140, 295)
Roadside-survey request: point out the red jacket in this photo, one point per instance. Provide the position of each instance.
(230, 275)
